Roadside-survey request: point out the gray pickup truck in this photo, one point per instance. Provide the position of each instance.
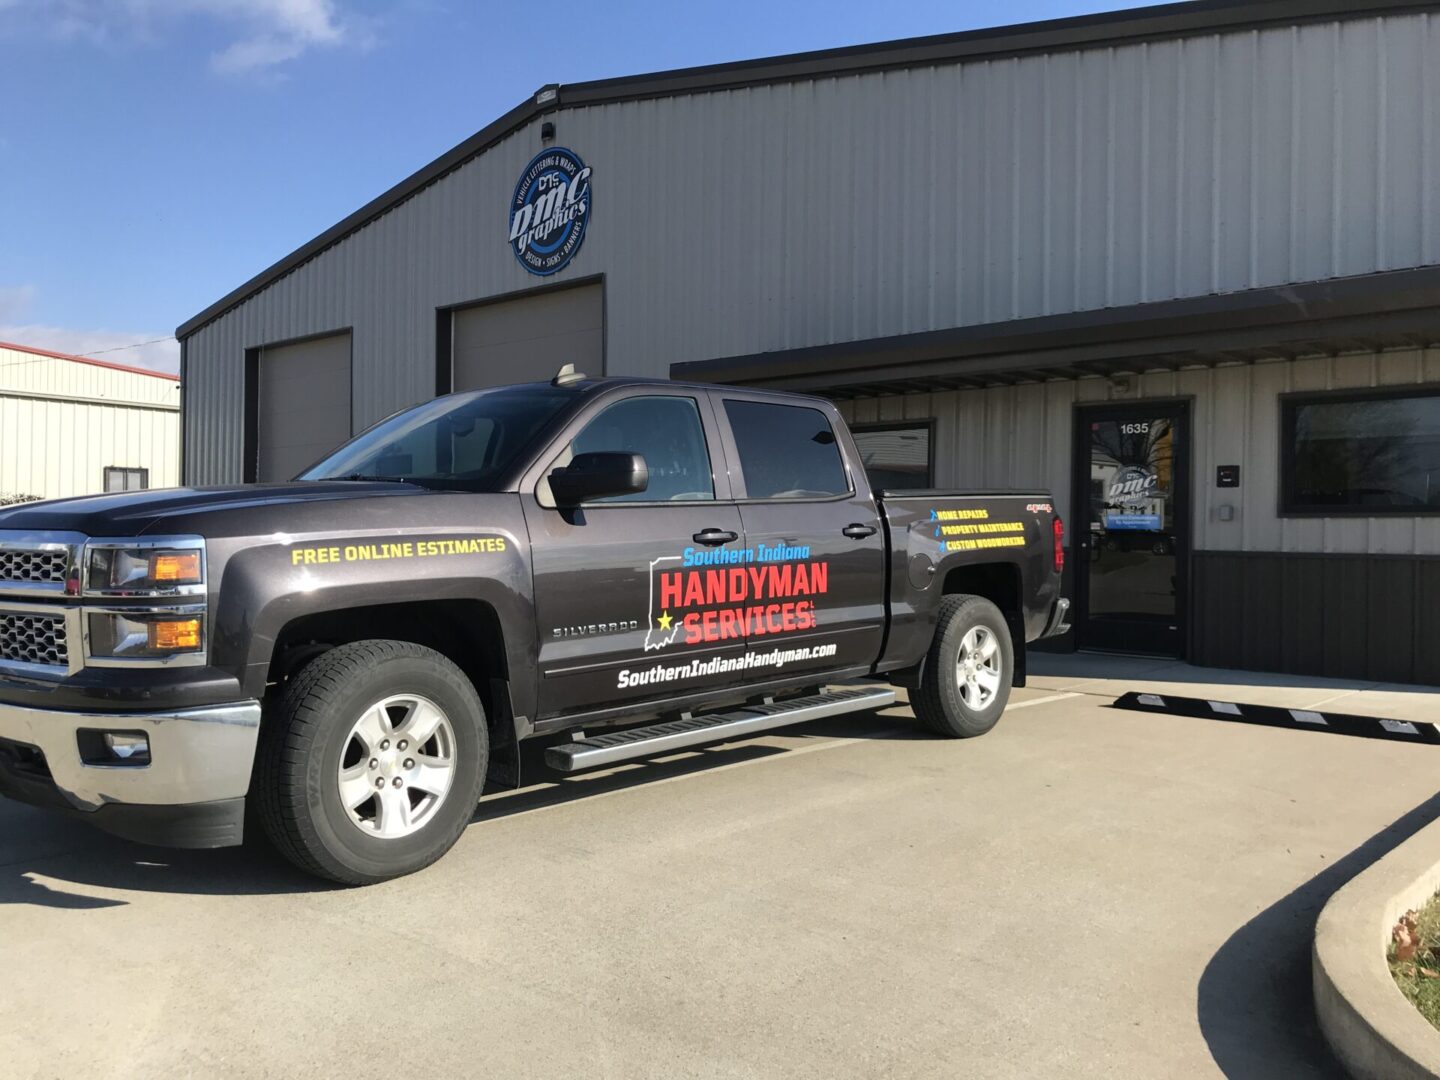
(344, 660)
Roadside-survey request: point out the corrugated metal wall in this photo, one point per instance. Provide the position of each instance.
(1022, 436)
(62, 422)
(844, 208)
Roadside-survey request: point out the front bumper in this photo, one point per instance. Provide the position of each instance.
(199, 759)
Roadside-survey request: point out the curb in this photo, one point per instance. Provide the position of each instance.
(1364, 727)
(1371, 1027)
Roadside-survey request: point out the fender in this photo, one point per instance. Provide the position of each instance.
(265, 584)
(935, 534)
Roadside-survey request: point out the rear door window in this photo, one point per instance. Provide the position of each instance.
(786, 451)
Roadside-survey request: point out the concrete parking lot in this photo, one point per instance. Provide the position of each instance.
(1084, 892)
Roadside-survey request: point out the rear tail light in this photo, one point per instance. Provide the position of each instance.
(1059, 528)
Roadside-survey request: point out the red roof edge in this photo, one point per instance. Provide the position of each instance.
(89, 360)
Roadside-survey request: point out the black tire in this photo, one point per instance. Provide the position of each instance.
(308, 731)
(939, 701)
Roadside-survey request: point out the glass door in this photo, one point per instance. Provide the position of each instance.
(1132, 520)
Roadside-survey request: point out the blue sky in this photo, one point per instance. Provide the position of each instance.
(154, 154)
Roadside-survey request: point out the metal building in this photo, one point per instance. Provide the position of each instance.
(1180, 265)
(70, 425)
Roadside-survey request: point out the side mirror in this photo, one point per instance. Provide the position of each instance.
(599, 476)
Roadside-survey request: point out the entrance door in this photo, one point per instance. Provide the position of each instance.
(1131, 514)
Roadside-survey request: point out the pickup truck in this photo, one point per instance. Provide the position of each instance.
(621, 567)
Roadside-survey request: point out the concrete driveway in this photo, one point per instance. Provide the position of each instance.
(1084, 892)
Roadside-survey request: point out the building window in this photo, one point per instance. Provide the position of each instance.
(786, 451)
(1363, 453)
(118, 478)
(896, 456)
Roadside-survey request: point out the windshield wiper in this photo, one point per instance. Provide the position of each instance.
(377, 479)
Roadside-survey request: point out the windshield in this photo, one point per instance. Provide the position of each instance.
(464, 442)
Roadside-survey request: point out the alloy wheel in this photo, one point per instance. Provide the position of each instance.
(397, 766)
(978, 667)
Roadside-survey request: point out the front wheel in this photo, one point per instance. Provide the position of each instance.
(372, 761)
(965, 677)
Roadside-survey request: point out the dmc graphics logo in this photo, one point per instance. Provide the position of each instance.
(550, 211)
(1132, 485)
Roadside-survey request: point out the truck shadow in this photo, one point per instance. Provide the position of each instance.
(542, 786)
(1254, 1000)
(56, 862)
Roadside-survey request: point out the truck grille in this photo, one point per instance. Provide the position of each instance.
(33, 567)
(34, 639)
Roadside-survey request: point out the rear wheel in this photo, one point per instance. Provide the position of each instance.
(372, 761)
(965, 677)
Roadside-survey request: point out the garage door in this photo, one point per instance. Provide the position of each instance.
(529, 338)
(304, 405)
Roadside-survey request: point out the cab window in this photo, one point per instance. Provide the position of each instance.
(786, 451)
(667, 432)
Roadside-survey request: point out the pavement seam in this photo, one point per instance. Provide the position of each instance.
(1042, 700)
(1333, 697)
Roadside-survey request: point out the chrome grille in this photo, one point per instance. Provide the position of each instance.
(33, 567)
(34, 639)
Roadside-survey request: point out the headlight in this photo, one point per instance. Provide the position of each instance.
(157, 635)
(174, 566)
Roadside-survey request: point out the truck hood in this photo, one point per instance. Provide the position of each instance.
(132, 513)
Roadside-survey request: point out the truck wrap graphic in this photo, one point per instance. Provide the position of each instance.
(775, 659)
(705, 595)
(970, 529)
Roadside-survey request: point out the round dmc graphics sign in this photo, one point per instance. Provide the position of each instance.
(550, 211)
(1133, 485)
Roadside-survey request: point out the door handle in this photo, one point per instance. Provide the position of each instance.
(858, 531)
(714, 536)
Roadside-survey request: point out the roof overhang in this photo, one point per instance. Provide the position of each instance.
(1085, 31)
(1396, 309)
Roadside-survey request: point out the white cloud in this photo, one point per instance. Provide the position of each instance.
(155, 350)
(270, 32)
(281, 30)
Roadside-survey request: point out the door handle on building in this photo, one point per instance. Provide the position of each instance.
(858, 531)
(714, 536)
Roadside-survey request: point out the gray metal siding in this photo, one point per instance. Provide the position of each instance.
(1020, 436)
(1345, 616)
(841, 208)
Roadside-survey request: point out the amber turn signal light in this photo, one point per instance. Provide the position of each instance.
(182, 568)
(174, 635)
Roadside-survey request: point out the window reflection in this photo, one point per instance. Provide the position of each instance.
(1364, 454)
(895, 457)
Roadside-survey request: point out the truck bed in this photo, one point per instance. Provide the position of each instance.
(992, 541)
